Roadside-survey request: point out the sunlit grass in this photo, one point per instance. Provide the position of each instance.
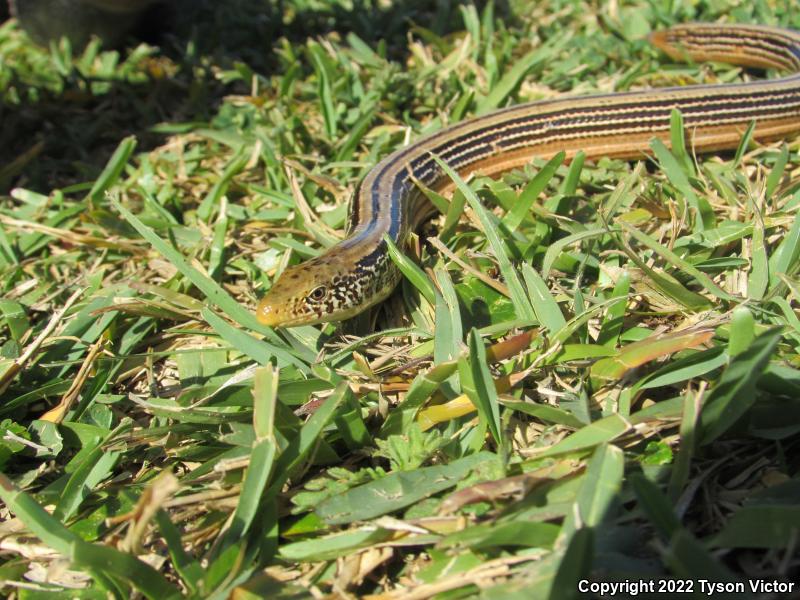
(589, 370)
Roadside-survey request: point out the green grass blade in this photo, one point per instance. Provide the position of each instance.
(260, 351)
(8, 254)
(669, 286)
(668, 255)
(555, 249)
(602, 431)
(326, 94)
(113, 169)
(544, 305)
(455, 210)
(574, 565)
(742, 330)
(102, 559)
(262, 456)
(306, 439)
(639, 353)
(686, 450)
(786, 256)
(216, 254)
(479, 386)
(509, 82)
(546, 413)
(265, 397)
(397, 490)
(212, 290)
(744, 143)
(677, 138)
(212, 200)
(411, 271)
(735, 392)
(688, 558)
(704, 218)
(758, 278)
(255, 482)
(422, 388)
(448, 341)
(683, 369)
(117, 564)
(600, 488)
(760, 527)
(40, 522)
(611, 327)
(185, 566)
(331, 547)
(655, 505)
(776, 174)
(96, 466)
(571, 181)
(518, 297)
(522, 207)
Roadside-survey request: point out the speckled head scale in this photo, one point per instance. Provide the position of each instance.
(320, 290)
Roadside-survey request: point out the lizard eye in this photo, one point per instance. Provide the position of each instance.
(318, 293)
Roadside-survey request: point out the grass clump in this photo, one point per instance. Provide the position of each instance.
(590, 371)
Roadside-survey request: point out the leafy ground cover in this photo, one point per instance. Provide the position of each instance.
(589, 372)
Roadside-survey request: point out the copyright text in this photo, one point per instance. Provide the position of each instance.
(634, 587)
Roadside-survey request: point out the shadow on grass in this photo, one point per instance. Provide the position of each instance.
(55, 139)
